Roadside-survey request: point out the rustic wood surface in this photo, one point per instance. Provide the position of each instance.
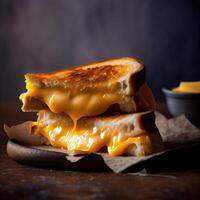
(24, 182)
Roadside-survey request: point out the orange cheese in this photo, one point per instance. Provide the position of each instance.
(193, 87)
(74, 104)
(84, 140)
(78, 104)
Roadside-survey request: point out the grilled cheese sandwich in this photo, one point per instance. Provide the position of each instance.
(85, 108)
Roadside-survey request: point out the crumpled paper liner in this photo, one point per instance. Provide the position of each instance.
(176, 131)
(178, 135)
(116, 164)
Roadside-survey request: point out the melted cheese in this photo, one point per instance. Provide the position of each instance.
(91, 139)
(74, 104)
(193, 87)
(82, 140)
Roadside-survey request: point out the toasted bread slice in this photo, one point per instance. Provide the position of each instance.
(132, 134)
(90, 90)
(122, 75)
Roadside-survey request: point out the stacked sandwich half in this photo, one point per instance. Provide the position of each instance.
(105, 106)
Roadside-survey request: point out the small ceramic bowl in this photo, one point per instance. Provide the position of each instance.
(183, 103)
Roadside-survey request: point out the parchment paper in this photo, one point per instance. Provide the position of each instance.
(178, 134)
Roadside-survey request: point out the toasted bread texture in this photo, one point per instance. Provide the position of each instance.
(121, 75)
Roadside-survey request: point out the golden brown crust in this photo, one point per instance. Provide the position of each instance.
(124, 75)
(83, 76)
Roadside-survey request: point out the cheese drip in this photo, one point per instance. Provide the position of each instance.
(74, 104)
(84, 140)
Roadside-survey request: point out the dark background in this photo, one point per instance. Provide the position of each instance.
(45, 35)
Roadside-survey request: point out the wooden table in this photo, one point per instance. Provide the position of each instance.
(23, 182)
